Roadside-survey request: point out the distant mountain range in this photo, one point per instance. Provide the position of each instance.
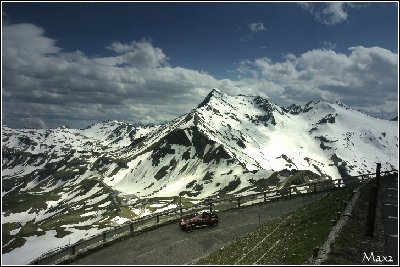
(58, 181)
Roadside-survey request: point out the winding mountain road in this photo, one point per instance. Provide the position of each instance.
(169, 245)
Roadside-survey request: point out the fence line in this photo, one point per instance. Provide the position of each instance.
(153, 220)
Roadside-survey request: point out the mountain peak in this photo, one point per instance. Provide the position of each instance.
(310, 105)
(215, 92)
(341, 104)
(263, 104)
(293, 109)
(109, 121)
(63, 127)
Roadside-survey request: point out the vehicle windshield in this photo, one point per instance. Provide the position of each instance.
(199, 215)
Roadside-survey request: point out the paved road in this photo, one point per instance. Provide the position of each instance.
(169, 245)
(390, 216)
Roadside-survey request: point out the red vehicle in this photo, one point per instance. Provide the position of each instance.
(199, 220)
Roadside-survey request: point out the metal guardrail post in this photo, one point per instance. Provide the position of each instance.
(73, 250)
(344, 204)
(158, 218)
(369, 231)
(104, 236)
(373, 200)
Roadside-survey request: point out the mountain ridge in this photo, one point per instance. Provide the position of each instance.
(262, 112)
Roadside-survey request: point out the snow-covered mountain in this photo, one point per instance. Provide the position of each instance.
(58, 181)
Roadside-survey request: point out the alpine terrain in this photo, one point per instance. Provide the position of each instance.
(61, 185)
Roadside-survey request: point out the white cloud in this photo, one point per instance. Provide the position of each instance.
(44, 86)
(34, 123)
(328, 45)
(331, 13)
(138, 54)
(365, 78)
(306, 6)
(256, 26)
(42, 82)
(120, 48)
(24, 43)
(247, 33)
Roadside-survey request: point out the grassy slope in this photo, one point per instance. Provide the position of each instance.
(351, 243)
(289, 239)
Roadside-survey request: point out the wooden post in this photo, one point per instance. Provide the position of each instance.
(180, 204)
(73, 249)
(265, 196)
(378, 175)
(369, 231)
(158, 218)
(104, 236)
(131, 227)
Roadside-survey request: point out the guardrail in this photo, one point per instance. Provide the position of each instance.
(61, 254)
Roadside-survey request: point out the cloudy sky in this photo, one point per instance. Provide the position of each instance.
(79, 63)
